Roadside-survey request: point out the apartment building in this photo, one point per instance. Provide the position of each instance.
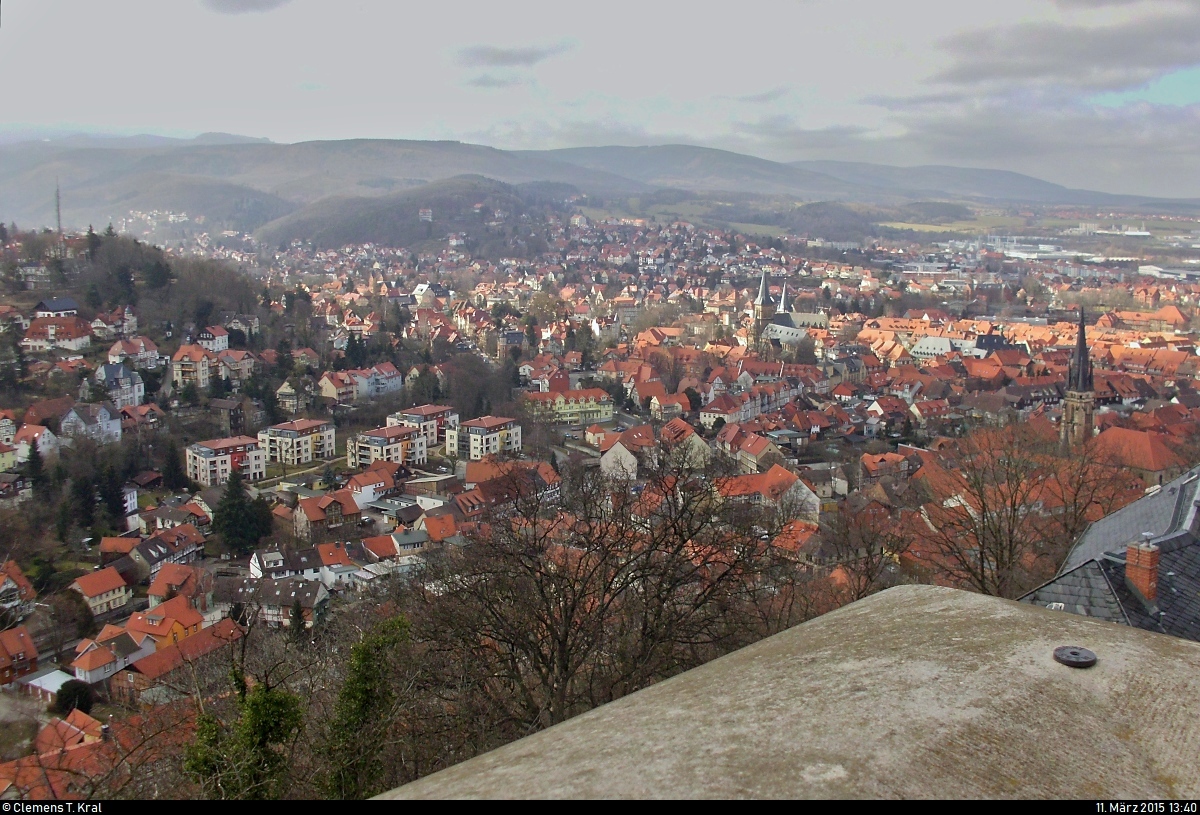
(298, 442)
(586, 406)
(485, 436)
(432, 420)
(192, 364)
(398, 443)
(211, 462)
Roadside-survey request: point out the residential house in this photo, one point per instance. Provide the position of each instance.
(120, 322)
(179, 544)
(68, 333)
(322, 516)
(168, 673)
(292, 396)
(99, 422)
(17, 594)
(271, 601)
(777, 488)
(98, 660)
(139, 352)
(181, 580)
(213, 339)
(339, 386)
(118, 384)
(167, 623)
(236, 365)
(105, 590)
(193, 365)
(18, 654)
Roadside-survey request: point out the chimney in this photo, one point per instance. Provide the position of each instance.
(105, 732)
(1141, 569)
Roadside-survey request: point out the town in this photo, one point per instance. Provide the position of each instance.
(224, 441)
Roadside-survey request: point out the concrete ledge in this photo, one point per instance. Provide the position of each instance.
(917, 692)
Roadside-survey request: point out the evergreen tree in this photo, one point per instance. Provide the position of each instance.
(174, 476)
(93, 242)
(112, 497)
(297, 626)
(36, 470)
(363, 714)
(232, 520)
(243, 759)
(158, 276)
(83, 497)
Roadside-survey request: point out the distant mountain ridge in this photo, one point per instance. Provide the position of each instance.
(244, 183)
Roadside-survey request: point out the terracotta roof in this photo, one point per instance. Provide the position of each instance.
(205, 641)
(98, 583)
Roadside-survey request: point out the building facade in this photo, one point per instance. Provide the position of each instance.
(586, 406)
(298, 442)
(397, 443)
(485, 436)
(210, 462)
(432, 420)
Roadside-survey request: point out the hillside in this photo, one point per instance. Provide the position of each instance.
(937, 181)
(702, 168)
(298, 174)
(393, 220)
(244, 184)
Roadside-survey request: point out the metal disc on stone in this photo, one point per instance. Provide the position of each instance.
(1074, 657)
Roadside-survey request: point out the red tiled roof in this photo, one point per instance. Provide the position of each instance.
(98, 583)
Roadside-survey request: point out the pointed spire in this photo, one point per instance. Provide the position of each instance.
(783, 306)
(1081, 365)
(764, 292)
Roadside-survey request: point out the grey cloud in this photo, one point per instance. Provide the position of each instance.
(1108, 57)
(490, 81)
(1141, 149)
(244, 6)
(764, 97)
(781, 134)
(490, 56)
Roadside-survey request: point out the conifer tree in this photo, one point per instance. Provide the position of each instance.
(174, 477)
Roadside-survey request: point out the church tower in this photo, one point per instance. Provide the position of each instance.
(764, 308)
(1079, 406)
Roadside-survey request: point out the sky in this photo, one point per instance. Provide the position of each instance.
(1096, 94)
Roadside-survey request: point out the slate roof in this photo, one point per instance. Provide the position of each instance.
(1169, 511)
(1092, 581)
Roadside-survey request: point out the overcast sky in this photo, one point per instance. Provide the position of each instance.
(1100, 94)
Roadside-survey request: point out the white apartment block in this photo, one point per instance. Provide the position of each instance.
(432, 420)
(485, 436)
(298, 442)
(211, 462)
(399, 444)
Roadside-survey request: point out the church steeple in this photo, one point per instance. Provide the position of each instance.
(764, 293)
(783, 306)
(1079, 405)
(764, 308)
(1081, 364)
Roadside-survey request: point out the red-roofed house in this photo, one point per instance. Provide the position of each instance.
(18, 654)
(316, 517)
(777, 487)
(104, 590)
